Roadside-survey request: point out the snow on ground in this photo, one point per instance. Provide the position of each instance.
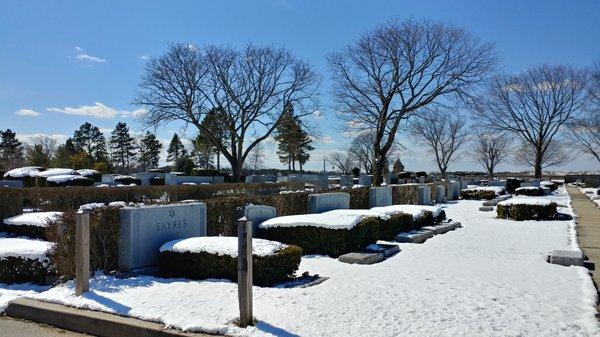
(498, 189)
(221, 245)
(538, 201)
(25, 248)
(417, 211)
(9, 292)
(489, 278)
(591, 193)
(39, 219)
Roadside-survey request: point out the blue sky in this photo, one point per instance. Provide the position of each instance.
(56, 55)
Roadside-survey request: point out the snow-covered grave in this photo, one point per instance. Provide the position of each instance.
(221, 245)
(497, 189)
(55, 172)
(22, 172)
(24, 248)
(330, 220)
(38, 219)
(489, 279)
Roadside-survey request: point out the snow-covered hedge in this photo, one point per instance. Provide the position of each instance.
(92, 174)
(127, 180)
(531, 191)
(23, 260)
(390, 223)
(482, 192)
(216, 257)
(553, 186)
(526, 209)
(68, 180)
(32, 225)
(327, 234)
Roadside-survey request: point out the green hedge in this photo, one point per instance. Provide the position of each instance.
(128, 181)
(35, 232)
(104, 241)
(69, 183)
(157, 181)
(20, 270)
(477, 194)
(319, 240)
(11, 202)
(537, 192)
(397, 224)
(512, 184)
(266, 270)
(521, 212)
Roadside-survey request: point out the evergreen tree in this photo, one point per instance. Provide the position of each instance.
(63, 154)
(90, 139)
(11, 149)
(176, 151)
(214, 121)
(149, 151)
(203, 152)
(36, 156)
(122, 147)
(294, 144)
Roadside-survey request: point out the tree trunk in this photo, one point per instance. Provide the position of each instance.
(218, 160)
(537, 169)
(378, 167)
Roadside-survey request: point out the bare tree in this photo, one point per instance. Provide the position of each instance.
(584, 135)
(341, 161)
(251, 86)
(393, 71)
(491, 149)
(256, 157)
(555, 155)
(442, 133)
(594, 92)
(47, 144)
(361, 149)
(534, 105)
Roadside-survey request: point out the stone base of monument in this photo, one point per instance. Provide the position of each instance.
(456, 224)
(418, 236)
(490, 203)
(486, 208)
(386, 249)
(441, 229)
(361, 258)
(566, 257)
(503, 197)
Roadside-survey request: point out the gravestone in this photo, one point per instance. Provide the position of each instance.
(380, 196)
(174, 179)
(145, 177)
(319, 203)
(144, 229)
(364, 180)
(258, 214)
(260, 179)
(421, 180)
(440, 195)
(11, 183)
(566, 257)
(362, 258)
(424, 195)
(322, 182)
(415, 236)
(453, 190)
(346, 181)
(486, 208)
(531, 183)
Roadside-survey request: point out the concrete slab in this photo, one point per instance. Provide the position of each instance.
(361, 258)
(87, 321)
(417, 236)
(566, 257)
(386, 249)
(441, 229)
(486, 208)
(490, 203)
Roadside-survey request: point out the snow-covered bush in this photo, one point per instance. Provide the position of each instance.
(216, 257)
(553, 186)
(127, 180)
(404, 175)
(32, 225)
(512, 184)
(11, 202)
(526, 209)
(23, 260)
(322, 234)
(26, 174)
(96, 176)
(157, 181)
(481, 192)
(68, 180)
(531, 191)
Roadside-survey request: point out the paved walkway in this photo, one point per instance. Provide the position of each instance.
(588, 227)
(11, 327)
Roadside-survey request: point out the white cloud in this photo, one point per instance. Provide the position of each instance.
(27, 113)
(87, 57)
(143, 57)
(100, 111)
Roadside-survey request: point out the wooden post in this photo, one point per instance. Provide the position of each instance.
(82, 253)
(245, 271)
